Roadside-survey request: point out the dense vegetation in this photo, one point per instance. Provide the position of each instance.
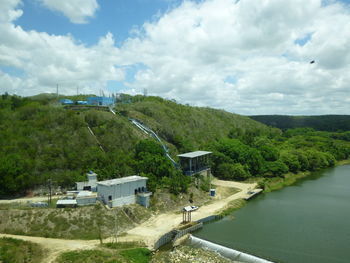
(18, 251)
(330, 123)
(41, 140)
(136, 255)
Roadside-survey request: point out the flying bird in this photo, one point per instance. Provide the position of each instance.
(312, 62)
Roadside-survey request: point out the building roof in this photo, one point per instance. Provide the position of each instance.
(85, 194)
(122, 180)
(67, 202)
(194, 154)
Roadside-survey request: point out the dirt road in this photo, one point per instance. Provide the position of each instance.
(151, 230)
(56, 246)
(28, 199)
(148, 232)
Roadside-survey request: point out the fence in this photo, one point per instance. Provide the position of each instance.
(180, 233)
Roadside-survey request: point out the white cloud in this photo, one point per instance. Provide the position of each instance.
(242, 56)
(76, 10)
(193, 51)
(38, 61)
(8, 10)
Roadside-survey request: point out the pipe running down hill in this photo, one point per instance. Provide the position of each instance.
(151, 133)
(148, 131)
(98, 142)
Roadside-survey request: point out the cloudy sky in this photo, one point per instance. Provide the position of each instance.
(247, 56)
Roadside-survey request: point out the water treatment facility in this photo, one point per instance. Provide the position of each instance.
(113, 192)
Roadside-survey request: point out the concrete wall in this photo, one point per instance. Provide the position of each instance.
(86, 201)
(125, 200)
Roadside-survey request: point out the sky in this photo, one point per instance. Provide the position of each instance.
(249, 57)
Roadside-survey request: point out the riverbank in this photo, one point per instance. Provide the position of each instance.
(310, 221)
(277, 183)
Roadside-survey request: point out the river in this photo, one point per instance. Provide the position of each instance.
(308, 221)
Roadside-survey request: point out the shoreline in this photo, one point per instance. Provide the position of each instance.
(276, 183)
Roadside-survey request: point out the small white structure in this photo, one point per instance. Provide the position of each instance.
(124, 191)
(90, 185)
(86, 198)
(66, 203)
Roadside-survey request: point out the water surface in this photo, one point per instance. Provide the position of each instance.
(306, 222)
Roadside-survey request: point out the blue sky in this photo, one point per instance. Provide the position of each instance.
(247, 56)
(116, 16)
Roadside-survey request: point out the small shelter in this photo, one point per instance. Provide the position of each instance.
(194, 162)
(186, 214)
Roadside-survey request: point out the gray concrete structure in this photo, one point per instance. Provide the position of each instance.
(124, 191)
(90, 185)
(86, 198)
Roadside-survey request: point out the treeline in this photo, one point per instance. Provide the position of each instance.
(302, 149)
(329, 123)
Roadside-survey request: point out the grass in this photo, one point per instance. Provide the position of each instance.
(70, 223)
(18, 251)
(89, 256)
(135, 255)
(233, 206)
(123, 245)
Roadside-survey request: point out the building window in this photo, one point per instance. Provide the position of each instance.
(109, 198)
(135, 191)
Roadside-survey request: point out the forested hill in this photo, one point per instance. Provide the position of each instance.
(321, 123)
(41, 139)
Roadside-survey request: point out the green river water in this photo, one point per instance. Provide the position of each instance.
(308, 221)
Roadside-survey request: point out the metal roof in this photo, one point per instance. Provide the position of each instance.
(194, 154)
(122, 180)
(86, 194)
(67, 202)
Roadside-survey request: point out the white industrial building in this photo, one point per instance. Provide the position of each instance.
(124, 191)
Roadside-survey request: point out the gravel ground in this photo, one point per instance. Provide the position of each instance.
(187, 254)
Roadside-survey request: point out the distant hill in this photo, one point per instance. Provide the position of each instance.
(321, 123)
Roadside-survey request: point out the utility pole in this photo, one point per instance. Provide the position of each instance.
(57, 90)
(49, 182)
(115, 226)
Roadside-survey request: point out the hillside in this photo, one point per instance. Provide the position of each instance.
(190, 128)
(322, 123)
(41, 140)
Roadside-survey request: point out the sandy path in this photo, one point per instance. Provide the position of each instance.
(151, 230)
(56, 246)
(28, 199)
(148, 232)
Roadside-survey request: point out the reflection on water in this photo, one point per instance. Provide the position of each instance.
(306, 222)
